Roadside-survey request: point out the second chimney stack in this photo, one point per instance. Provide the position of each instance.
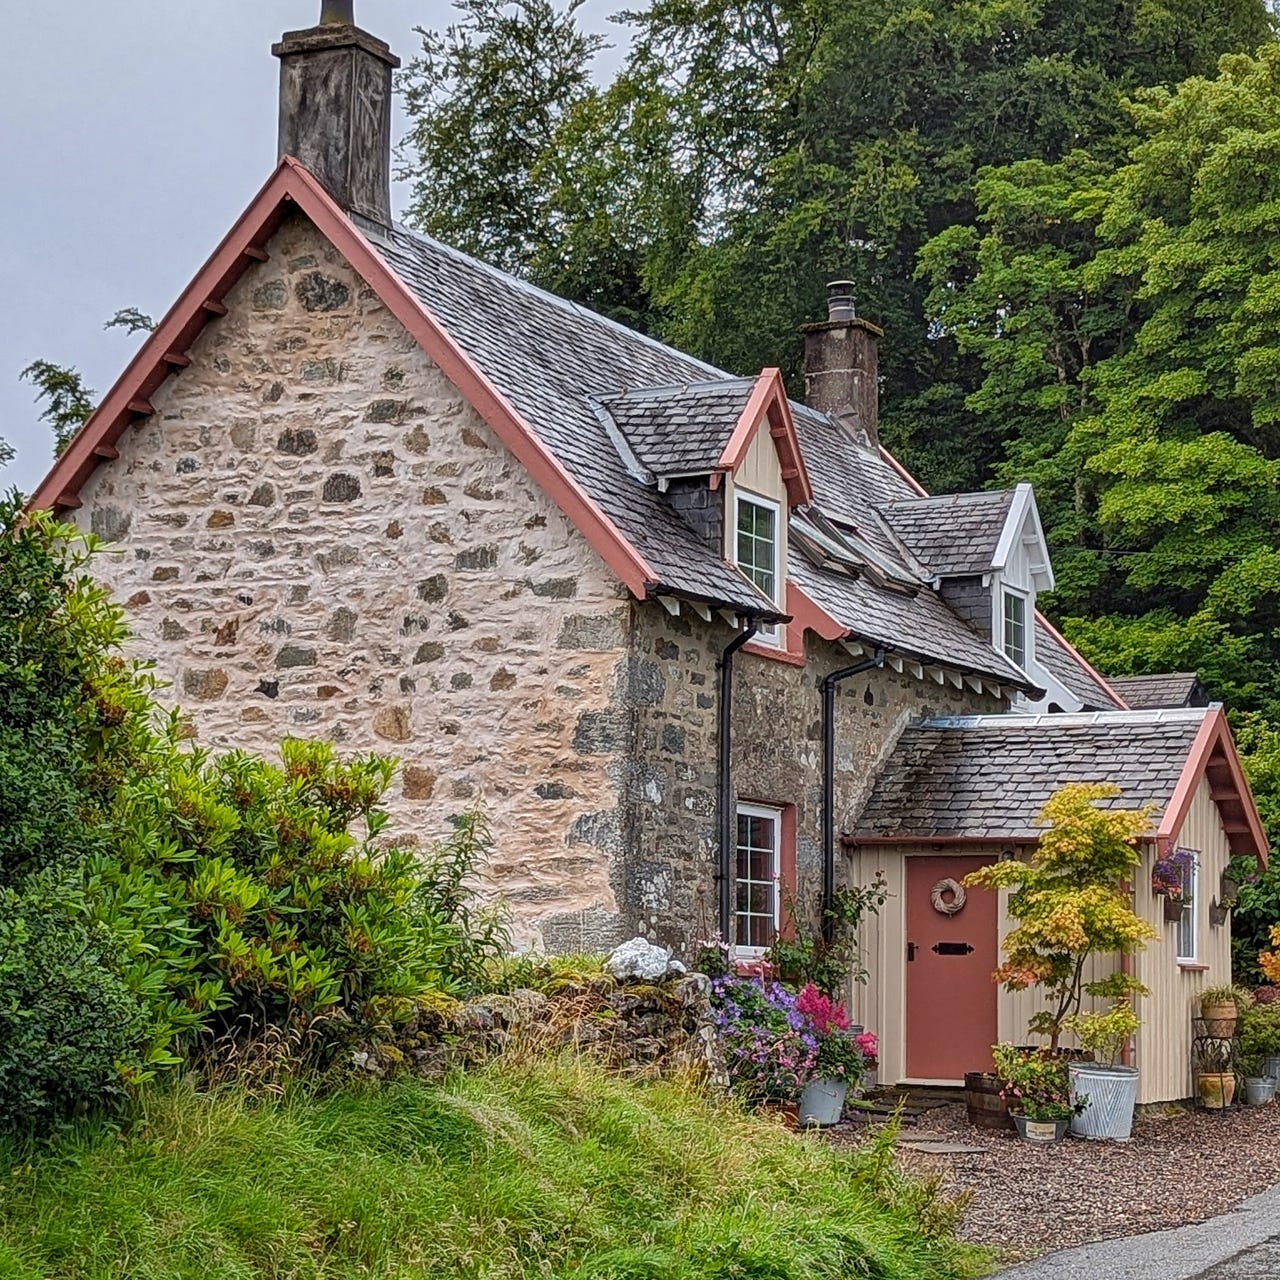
(841, 365)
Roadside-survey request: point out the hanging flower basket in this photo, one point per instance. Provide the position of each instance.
(1168, 876)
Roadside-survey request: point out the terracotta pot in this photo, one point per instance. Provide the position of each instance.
(1219, 1019)
(1217, 1089)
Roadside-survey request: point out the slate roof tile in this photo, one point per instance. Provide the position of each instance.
(683, 429)
(955, 534)
(558, 364)
(1167, 689)
(991, 775)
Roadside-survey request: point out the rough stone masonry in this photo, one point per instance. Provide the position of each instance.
(318, 537)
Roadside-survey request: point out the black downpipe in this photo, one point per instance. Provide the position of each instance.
(829, 781)
(725, 877)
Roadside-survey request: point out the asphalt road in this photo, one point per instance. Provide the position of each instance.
(1241, 1245)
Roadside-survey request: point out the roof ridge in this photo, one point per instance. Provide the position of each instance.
(1076, 719)
(525, 286)
(655, 388)
(941, 498)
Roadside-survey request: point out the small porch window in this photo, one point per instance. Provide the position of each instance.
(1188, 921)
(758, 873)
(1015, 628)
(757, 551)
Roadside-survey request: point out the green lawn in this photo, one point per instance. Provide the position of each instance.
(520, 1170)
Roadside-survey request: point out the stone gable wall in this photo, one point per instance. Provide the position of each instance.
(671, 784)
(318, 537)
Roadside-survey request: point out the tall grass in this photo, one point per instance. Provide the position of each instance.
(548, 1169)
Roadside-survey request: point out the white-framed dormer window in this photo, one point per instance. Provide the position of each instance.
(757, 547)
(757, 876)
(1188, 921)
(1013, 629)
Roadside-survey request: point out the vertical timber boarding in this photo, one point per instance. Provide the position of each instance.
(1163, 1044)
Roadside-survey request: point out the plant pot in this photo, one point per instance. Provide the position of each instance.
(870, 1079)
(1040, 1130)
(1172, 910)
(821, 1102)
(1217, 1089)
(982, 1100)
(1259, 1090)
(1112, 1093)
(1219, 1020)
(1271, 1066)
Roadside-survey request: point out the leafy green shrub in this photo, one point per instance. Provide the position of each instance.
(74, 721)
(66, 1018)
(255, 896)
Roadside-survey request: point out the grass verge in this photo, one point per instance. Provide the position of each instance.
(550, 1169)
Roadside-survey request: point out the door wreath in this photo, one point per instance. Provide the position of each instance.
(943, 905)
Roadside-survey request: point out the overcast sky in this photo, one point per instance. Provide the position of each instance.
(132, 135)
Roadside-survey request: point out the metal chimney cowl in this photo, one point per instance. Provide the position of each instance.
(335, 109)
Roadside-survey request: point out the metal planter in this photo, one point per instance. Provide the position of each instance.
(1112, 1093)
(821, 1103)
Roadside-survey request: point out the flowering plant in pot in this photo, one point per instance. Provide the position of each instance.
(1168, 875)
(838, 1062)
(870, 1046)
(1034, 1084)
(769, 1045)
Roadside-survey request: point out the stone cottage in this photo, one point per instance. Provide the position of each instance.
(667, 625)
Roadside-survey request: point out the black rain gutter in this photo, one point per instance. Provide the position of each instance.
(724, 877)
(829, 780)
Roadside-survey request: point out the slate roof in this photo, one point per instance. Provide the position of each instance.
(989, 776)
(1168, 689)
(579, 380)
(548, 357)
(954, 535)
(1080, 680)
(682, 429)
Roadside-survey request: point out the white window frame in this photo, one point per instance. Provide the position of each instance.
(1005, 593)
(768, 633)
(1190, 916)
(742, 951)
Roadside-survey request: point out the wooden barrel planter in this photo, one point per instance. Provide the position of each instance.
(986, 1108)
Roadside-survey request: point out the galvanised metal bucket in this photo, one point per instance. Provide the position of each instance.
(821, 1103)
(1112, 1093)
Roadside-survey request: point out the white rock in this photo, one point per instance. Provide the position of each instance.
(641, 959)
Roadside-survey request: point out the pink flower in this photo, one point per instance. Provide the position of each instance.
(825, 1014)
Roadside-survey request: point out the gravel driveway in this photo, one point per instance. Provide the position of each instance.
(1029, 1199)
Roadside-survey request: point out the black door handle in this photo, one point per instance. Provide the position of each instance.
(911, 950)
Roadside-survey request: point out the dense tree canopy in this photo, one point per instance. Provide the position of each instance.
(745, 153)
(1127, 321)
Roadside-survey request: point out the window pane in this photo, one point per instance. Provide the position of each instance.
(1015, 628)
(757, 545)
(757, 868)
(1187, 921)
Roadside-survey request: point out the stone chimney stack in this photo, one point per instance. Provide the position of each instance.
(335, 108)
(841, 365)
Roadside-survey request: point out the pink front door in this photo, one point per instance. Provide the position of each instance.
(951, 1000)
